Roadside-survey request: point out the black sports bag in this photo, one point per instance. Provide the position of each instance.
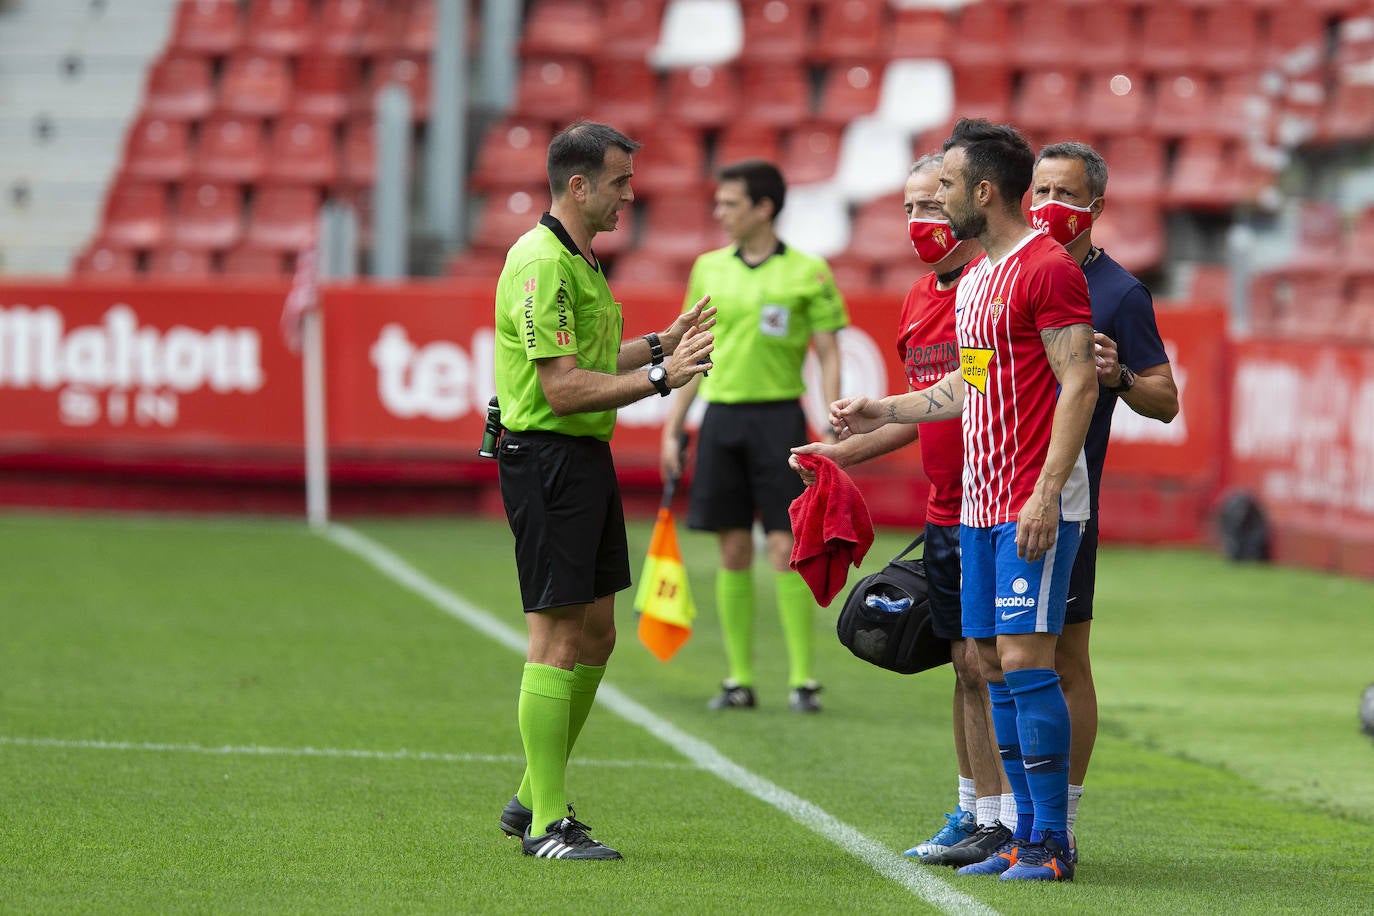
(886, 618)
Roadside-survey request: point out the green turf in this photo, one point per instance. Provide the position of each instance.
(1230, 775)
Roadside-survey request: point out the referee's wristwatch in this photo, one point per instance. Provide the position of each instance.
(659, 376)
(655, 348)
(1125, 383)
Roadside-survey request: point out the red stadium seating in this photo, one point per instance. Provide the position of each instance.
(982, 90)
(359, 166)
(680, 228)
(349, 27)
(415, 28)
(284, 217)
(1045, 36)
(1049, 101)
(852, 273)
(879, 233)
(1135, 169)
(207, 216)
(1116, 102)
(247, 262)
(206, 27)
(1103, 36)
(106, 262)
(1205, 174)
(135, 215)
(630, 27)
(672, 160)
(1183, 103)
(506, 215)
(810, 153)
(647, 267)
(302, 151)
(411, 73)
(775, 31)
(326, 85)
(231, 149)
(850, 91)
(173, 262)
(852, 28)
(921, 32)
(477, 264)
(562, 28)
(1349, 114)
(553, 89)
(255, 84)
(983, 35)
(179, 86)
(1359, 246)
(624, 93)
(1133, 235)
(702, 96)
(775, 93)
(1168, 36)
(278, 26)
(746, 140)
(157, 149)
(1230, 37)
(511, 153)
(1293, 27)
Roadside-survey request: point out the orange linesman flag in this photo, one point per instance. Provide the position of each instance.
(663, 600)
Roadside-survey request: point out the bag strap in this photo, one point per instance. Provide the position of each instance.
(920, 538)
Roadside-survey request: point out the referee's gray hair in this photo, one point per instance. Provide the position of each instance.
(1094, 166)
(927, 163)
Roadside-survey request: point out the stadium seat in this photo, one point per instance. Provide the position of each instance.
(1045, 36)
(775, 30)
(415, 29)
(412, 73)
(906, 79)
(624, 93)
(231, 149)
(348, 28)
(850, 90)
(702, 96)
(630, 28)
(1293, 27)
(476, 264)
(1133, 235)
(157, 149)
(852, 274)
(741, 140)
(816, 219)
(1204, 174)
(874, 158)
(1168, 36)
(1316, 302)
(1349, 114)
(106, 262)
(697, 33)
(358, 168)
(878, 233)
(1115, 102)
(679, 228)
(179, 86)
(1135, 168)
(774, 93)
(511, 153)
(982, 35)
(302, 151)
(1359, 244)
(175, 262)
(255, 84)
(284, 217)
(278, 26)
(647, 267)
(1210, 284)
(1103, 36)
(894, 278)
(851, 28)
(1230, 35)
(672, 160)
(982, 90)
(326, 85)
(1049, 99)
(1183, 105)
(810, 153)
(251, 262)
(506, 215)
(207, 216)
(135, 215)
(921, 32)
(552, 89)
(1320, 234)
(206, 27)
(562, 28)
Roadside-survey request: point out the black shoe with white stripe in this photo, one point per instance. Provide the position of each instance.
(567, 839)
(515, 818)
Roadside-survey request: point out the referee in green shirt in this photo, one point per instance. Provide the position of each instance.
(773, 302)
(562, 370)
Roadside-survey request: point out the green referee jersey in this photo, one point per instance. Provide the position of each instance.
(551, 302)
(765, 316)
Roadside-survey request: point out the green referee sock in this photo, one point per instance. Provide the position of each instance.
(735, 604)
(586, 678)
(545, 707)
(797, 609)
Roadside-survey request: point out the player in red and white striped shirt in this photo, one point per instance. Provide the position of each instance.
(1025, 388)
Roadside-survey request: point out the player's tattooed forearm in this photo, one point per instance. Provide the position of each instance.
(892, 411)
(1066, 346)
(932, 395)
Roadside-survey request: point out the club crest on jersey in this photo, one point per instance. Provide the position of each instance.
(973, 365)
(940, 236)
(1072, 222)
(997, 306)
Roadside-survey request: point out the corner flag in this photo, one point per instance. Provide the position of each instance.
(663, 599)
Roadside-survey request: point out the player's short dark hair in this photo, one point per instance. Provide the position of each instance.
(997, 153)
(1094, 166)
(580, 149)
(762, 181)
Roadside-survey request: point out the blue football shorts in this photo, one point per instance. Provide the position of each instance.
(1002, 593)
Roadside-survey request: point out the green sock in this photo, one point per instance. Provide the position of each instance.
(586, 678)
(797, 608)
(545, 704)
(735, 604)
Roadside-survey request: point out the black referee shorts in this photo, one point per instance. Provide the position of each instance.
(563, 505)
(741, 467)
(1083, 579)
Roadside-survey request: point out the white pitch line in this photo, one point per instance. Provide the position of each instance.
(920, 881)
(258, 750)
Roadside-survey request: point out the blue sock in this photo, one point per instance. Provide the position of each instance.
(1042, 720)
(1009, 746)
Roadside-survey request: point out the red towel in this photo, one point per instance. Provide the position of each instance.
(830, 528)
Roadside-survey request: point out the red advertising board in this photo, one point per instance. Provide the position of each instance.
(143, 367)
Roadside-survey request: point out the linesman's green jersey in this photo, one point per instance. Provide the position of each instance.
(765, 316)
(551, 302)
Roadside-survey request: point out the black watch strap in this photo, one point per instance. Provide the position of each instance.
(655, 348)
(1125, 383)
(659, 376)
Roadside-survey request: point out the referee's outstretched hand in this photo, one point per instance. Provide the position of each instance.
(691, 357)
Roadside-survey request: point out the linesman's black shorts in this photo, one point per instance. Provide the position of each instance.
(941, 554)
(563, 505)
(741, 467)
(1083, 579)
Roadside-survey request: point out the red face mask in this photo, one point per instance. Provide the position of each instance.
(1063, 221)
(932, 239)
